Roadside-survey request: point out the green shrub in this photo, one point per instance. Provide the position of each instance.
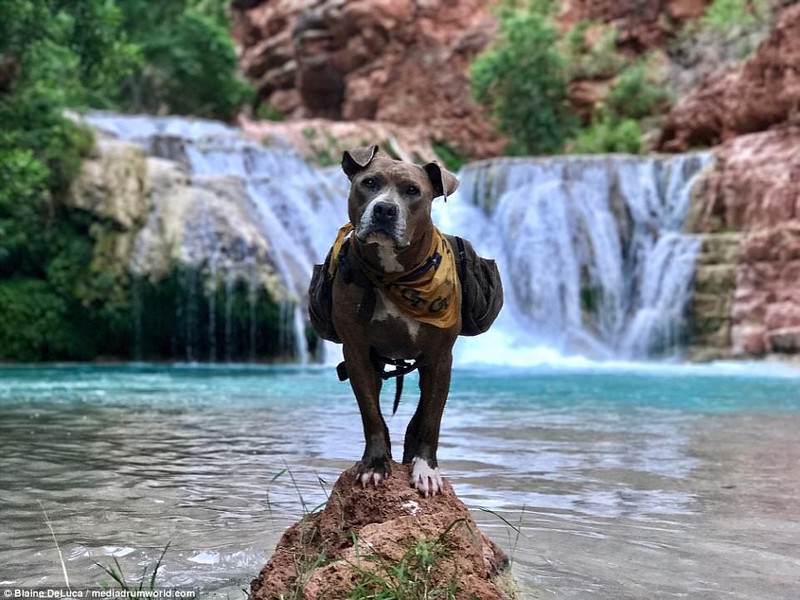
(522, 78)
(450, 157)
(104, 54)
(267, 112)
(725, 15)
(608, 134)
(34, 324)
(23, 198)
(615, 124)
(596, 61)
(634, 95)
(190, 63)
(53, 56)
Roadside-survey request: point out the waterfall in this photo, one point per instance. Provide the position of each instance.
(591, 249)
(295, 207)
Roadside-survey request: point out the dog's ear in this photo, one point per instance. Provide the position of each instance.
(444, 182)
(355, 160)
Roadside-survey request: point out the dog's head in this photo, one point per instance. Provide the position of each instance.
(390, 200)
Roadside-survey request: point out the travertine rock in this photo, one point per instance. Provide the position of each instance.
(112, 184)
(155, 218)
(751, 199)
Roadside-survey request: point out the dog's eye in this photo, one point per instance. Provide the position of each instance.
(412, 190)
(369, 182)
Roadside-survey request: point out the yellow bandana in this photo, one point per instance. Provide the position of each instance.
(427, 293)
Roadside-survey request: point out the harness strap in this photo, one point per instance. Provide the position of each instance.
(356, 276)
(403, 367)
(462, 259)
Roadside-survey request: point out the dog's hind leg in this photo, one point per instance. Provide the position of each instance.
(366, 383)
(422, 435)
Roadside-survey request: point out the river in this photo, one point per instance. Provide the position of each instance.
(621, 480)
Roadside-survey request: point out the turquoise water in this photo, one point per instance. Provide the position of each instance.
(624, 481)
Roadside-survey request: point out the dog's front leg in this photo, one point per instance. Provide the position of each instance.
(366, 383)
(422, 435)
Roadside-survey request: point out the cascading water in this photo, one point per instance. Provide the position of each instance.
(591, 249)
(296, 207)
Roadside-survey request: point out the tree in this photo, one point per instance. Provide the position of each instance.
(522, 78)
(54, 55)
(190, 63)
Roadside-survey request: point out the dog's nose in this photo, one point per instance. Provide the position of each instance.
(384, 212)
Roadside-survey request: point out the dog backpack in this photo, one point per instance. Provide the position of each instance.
(481, 291)
(481, 287)
(320, 302)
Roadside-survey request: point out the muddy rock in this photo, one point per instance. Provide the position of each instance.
(365, 531)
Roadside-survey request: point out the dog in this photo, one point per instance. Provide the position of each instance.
(403, 305)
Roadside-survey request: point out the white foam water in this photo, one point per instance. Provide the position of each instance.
(594, 261)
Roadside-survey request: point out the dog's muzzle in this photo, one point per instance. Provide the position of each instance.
(385, 218)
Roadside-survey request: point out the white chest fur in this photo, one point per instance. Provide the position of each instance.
(385, 309)
(388, 259)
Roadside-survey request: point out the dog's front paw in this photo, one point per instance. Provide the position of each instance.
(373, 472)
(427, 480)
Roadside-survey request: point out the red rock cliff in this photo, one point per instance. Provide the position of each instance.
(397, 61)
(405, 62)
(761, 92)
(748, 280)
(640, 25)
(748, 300)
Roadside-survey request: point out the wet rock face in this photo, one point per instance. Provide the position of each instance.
(183, 253)
(762, 92)
(399, 61)
(753, 195)
(165, 217)
(325, 554)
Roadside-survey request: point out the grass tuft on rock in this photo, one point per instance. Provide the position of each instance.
(411, 577)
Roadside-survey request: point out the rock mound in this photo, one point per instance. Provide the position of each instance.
(387, 533)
